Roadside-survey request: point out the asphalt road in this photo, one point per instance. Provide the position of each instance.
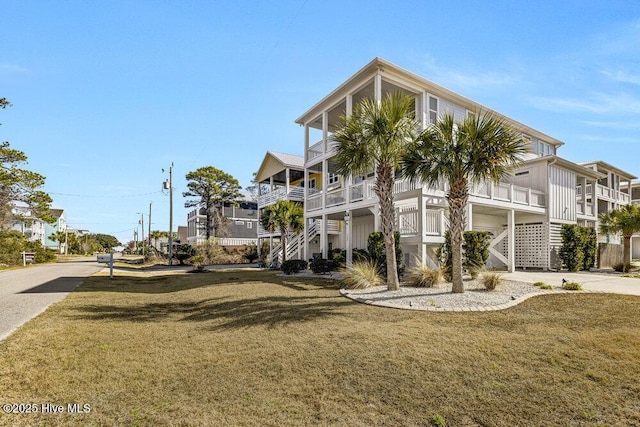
(27, 292)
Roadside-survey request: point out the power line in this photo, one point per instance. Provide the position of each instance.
(105, 196)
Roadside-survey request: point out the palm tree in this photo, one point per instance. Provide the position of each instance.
(58, 236)
(462, 154)
(285, 216)
(157, 234)
(625, 220)
(375, 137)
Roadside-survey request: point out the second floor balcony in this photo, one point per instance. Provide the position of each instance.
(295, 194)
(605, 193)
(364, 192)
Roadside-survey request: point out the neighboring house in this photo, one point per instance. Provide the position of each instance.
(241, 227)
(59, 224)
(32, 227)
(524, 213)
(633, 189)
(281, 177)
(36, 229)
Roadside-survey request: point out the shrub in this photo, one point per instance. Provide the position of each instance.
(198, 262)
(360, 255)
(476, 251)
(292, 266)
(362, 275)
(377, 252)
(578, 250)
(542, 285)
(251, 254)
(339, 257)
(424, 276)
(572, 286)
(621, 267)
(184, 252)
(491, 280)
(322, 265)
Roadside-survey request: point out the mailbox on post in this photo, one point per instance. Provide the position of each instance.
(107, 259)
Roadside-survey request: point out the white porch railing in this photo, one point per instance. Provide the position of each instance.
(509, 193)
(315, 150)
(295, 194)
(606, 193)
(314, 202)
(409, 222)
(336, 197)
(589, 211)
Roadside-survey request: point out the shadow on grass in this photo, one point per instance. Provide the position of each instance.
(221, 313)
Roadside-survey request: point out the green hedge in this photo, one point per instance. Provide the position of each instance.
(578, 250)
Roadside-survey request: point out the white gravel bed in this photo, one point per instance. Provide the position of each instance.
(474, 298)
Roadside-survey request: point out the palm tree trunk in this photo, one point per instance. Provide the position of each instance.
(384, 191)
(457, 199)
(283, 242)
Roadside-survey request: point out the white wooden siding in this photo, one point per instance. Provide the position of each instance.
(361, 227)
(562, 194)
(448, 107)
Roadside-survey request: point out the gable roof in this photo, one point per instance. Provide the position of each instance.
(275, 162)
(607, 166)
(57, 213)
(386, 68)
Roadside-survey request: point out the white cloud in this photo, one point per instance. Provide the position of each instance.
(601, 103)
(470, 79)
(608, 139)
(622, 76)
(13, 68)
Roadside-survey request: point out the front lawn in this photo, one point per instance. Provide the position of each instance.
(250, 348)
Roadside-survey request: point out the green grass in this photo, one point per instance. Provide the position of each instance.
(251, 348)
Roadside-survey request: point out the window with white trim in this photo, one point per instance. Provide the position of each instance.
(433, 109)
(333, 178)
(249, 224)
(544, 149)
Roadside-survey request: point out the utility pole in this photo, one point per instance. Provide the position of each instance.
(142, 239)
(168, 185)
(149, 235)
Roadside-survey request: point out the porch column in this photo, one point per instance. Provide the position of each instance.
(323, 237)
(469, 215)
(377, 88)
(306, 143)
(422, 217)
(584, 195)
(422, 253)
(349, 101)
(325, 131)
(271, 183)
(511, 232)
(325, 182)
(287, 176)
(347, 237)
(376, 218)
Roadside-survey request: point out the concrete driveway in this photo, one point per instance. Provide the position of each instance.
(27, 292)
(595, 282)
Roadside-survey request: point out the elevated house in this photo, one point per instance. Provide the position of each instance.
(240, 228)
(524, 213)
(281, 177)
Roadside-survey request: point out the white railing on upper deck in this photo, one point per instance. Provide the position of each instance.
(314, 202)
(589, 211)
(336, 197)
(315, 150)
(269, 198)
(509, 193)
(606, 193)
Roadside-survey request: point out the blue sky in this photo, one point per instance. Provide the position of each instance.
(108, 93)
